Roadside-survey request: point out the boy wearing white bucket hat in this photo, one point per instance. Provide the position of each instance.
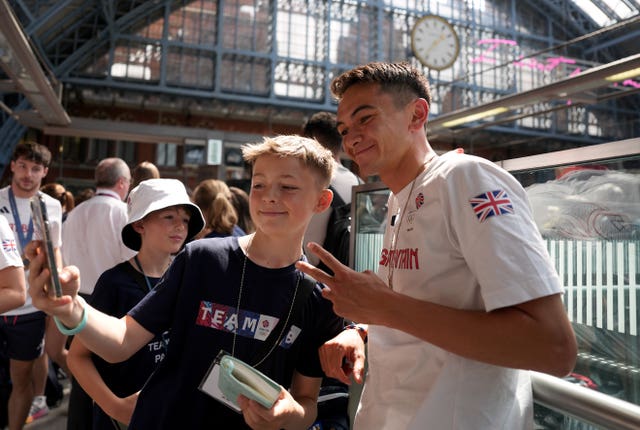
(241, 295)
(161, 219)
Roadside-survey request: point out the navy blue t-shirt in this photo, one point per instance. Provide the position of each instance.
(236, 231)
(117, 291)
(197, 299)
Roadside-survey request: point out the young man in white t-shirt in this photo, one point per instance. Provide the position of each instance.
(465, 293)
(24, 327)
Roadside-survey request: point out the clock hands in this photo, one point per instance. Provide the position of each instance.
(435, 43)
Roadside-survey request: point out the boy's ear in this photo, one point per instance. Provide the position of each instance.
(138, 227)
(326, 197)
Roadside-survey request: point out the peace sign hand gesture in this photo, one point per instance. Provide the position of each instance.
(357, 296)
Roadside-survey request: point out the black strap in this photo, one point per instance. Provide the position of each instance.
(307, 284)
(337, 200)
(137, 276)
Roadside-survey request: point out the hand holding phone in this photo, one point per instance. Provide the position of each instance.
(41, 220)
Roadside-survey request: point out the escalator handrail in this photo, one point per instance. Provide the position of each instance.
(583, 403)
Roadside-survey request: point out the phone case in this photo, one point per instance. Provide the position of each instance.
(237, 377)
(40, 217)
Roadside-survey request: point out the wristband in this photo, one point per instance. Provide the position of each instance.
(81, 325)
(363, 332)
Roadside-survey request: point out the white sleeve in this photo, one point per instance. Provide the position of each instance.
(9, 255)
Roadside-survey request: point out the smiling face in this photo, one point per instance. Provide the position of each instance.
(284, 195)
(164, 229)
(375, 130)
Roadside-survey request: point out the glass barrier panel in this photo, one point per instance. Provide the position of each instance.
(370, 221)
(589, 216)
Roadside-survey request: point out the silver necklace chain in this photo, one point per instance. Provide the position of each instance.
(286, 322)
(400, 216)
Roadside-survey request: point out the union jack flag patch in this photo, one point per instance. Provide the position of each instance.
(9, 245)
(491, 203)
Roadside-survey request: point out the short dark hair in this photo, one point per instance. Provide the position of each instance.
(399, 79)
(322, 127)
(32, 151)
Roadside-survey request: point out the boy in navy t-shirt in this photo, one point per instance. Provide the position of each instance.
(226, 294)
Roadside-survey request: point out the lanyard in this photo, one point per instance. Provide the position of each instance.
(165, 336)
(16, 218)
(108, 195)
(146, 279)
(286, 322)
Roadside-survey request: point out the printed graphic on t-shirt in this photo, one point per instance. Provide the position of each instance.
(9, 245)
(248, 324)
(491, 203)
(405, 258)
(158, 348)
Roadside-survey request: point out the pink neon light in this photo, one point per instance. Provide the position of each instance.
(532, 63)
(631, 83)
(493, 44)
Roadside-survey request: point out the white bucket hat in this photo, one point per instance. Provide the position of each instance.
(155, 194)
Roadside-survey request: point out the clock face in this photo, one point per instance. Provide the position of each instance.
(435, 42)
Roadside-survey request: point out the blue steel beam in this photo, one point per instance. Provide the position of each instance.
(70, 35)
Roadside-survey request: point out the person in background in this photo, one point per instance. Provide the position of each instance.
(226, 294)
(322, 127)
(23, 328)
(214, 200)
(161, 219)
(58, 192)
(465, 294)
(240, 201)
(143, 171)
(83, 195)
(91, 237)
(69, 204)
(92, 230)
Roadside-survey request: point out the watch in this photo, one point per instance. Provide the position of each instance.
(435, 42)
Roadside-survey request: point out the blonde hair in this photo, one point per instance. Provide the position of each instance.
(309, 151)
(213, 197)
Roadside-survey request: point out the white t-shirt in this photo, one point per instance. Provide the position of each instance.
(453, 254)
(9, 255)
(54, 212)
(92, 237)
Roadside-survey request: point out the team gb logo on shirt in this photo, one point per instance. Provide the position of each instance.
(491, 203)
(9, 245)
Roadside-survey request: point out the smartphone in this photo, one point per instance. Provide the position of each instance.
(40, 218)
